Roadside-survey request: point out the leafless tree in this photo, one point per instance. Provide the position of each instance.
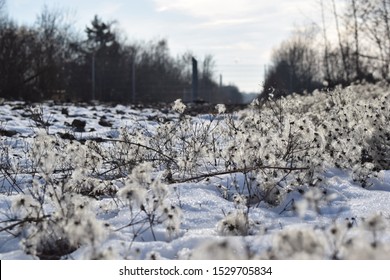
(2, 11)
(295, 64)
(2, 4)
(326, 43)
(356, 37)
(52, 52)
(375, 26)
(340, 41)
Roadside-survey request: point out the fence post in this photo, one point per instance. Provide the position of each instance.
(194, 79)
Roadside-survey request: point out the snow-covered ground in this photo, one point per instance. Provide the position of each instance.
(75, 190)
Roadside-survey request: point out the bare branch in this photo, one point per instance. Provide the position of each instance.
(240, 170)
(22, 222)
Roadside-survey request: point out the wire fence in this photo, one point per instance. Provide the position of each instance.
(231, 81)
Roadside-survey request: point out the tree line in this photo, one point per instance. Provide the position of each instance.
(311, 59)
(49, 60)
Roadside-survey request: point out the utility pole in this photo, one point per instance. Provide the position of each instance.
(194, 79)
(133, 97)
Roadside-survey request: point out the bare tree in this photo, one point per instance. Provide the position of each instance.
(16, 45)
(374, 16)
(2, 4)
(326, 49)
(52, 51)
(2, 11)
(356, 38)
(341, 47)
(295, 64)
(386, 19)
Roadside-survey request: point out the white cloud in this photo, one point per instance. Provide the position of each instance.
(225, 22)
(206, 8)
(226, 13)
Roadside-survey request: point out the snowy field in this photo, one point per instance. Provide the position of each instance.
(298, 178)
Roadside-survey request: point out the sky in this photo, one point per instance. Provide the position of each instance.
(239, 34)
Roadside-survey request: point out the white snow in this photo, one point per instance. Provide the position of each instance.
(203, 205)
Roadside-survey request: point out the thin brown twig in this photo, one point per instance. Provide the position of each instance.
(240, 170)
(21, 222)
(142, 146)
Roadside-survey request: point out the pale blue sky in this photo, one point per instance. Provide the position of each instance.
(240, 34)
